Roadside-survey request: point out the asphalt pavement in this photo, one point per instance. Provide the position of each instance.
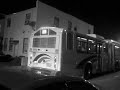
(108, 82)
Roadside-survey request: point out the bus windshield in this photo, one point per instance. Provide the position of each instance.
(49, 42)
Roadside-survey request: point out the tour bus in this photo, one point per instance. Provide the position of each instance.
(55, 51)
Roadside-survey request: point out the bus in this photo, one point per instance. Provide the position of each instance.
(55, 51)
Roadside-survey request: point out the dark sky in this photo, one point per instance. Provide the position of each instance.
(104, 15)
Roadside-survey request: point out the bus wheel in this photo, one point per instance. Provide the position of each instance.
(88, 71)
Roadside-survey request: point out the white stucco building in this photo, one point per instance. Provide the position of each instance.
(19, 26)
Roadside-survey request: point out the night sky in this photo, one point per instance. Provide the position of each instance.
(104, 15)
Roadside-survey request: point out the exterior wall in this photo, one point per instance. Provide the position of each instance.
(46, 14)
(43, 15)
(2, 24)
(18, 30)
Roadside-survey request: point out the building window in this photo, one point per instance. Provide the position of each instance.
(10, 44)
(8, 22)
(27, 19)
(5, 44)
(69, 25)
(69, 41)
(25, 45)
(89, 31)
(56, 21)
(75, 28)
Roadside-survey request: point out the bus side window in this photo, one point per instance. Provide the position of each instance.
(70, 41)
(91, 46)
(105, 48)
(78, 44)
(81, 44)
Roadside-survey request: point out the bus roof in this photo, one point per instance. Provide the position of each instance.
(113, 41)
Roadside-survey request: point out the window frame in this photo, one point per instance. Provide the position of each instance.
(5, 44)
(25, 50)
(27, 18)
(81, 49)
(69, 25)
(93, 49)
(56, 21)
(10, 44)
(8, 22)
(70, 41)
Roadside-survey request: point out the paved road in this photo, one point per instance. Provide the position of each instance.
(108, 82)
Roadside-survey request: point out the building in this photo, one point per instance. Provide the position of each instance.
(19, 26)
(2, 24)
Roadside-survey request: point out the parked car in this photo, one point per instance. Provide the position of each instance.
(1, 54)
(56, 83)
(5, 58)
(60, 83)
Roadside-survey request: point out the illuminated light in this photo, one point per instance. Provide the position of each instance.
(35, 61)
(31, 55)
(104, 47)
(84, 38)
(55, 57)
(65, 30)
(38, 72)
(14, 13)
(78, 38)
(91, 41)
(44, 31)
(106, 41)
(117, 47)
(89, 48)
(112, 41)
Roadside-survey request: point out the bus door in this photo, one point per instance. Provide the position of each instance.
(112, 56)
(99, 51)
(110, 60)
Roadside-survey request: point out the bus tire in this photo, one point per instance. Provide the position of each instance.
(88, 71)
